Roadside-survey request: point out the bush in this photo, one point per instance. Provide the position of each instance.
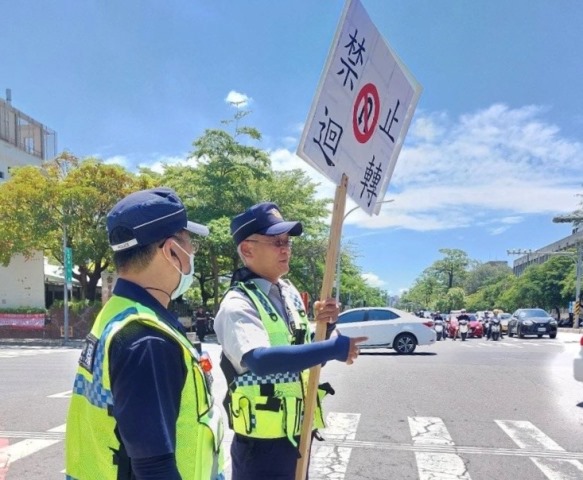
(23, 310)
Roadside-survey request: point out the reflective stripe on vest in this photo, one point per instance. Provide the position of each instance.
(271, 406)
(92, 446)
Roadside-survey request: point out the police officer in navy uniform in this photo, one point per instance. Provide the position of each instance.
(141, 406)
(265, 335)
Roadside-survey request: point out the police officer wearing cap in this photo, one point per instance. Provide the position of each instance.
(141, 406)
(263, 329)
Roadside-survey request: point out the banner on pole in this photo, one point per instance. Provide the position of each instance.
(361, 111)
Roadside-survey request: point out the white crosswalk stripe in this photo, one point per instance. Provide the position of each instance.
(19, 450)
(436, 455)
(432, 431)
(509, 343)
(330, 462)
(527, 436)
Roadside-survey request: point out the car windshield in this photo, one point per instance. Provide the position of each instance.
(535, 312)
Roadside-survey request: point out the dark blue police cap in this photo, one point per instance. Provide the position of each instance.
(146, 217)
(265, 219)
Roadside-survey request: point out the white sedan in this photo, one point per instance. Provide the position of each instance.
(578, 364)
(387, 328)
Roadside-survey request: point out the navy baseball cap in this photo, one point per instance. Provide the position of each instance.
(146, 217)
(265, 219)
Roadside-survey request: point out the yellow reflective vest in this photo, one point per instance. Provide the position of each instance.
(91, 441)
(271, 406)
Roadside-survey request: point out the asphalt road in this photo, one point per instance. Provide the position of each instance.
(457, 410)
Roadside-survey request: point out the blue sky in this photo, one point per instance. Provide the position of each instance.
(494, 152)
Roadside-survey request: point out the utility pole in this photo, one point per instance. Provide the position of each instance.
(66, 264)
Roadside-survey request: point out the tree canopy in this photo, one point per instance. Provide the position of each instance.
(226, 174)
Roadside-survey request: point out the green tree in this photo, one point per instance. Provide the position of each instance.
(453, 266)
(484, 274)
(228, 178)
(36, 203)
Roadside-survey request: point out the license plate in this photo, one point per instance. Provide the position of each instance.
(542, 329)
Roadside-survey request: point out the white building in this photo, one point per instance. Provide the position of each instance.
(23, 141)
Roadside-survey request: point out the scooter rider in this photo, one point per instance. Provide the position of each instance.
(463, 316)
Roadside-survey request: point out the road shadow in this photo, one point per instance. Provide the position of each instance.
(580, 405)
(414, 354)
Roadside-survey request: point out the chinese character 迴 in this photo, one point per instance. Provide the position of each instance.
(332, 134)
(391, 117)
(370, 182)
(355, 51)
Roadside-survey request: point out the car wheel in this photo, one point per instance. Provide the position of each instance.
(520, 334)
(552, 335)
(540, 335)
(405, 343)
(510, 332)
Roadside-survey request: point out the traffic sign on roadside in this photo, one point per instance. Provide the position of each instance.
(69, 267)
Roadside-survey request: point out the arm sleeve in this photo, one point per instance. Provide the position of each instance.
(295, 358)
(147, 377)
(162, 467)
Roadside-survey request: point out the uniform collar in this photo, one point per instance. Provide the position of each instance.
(132, 291)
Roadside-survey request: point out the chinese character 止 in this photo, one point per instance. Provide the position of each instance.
(370, 182)
(391, 117)
(355, 51)
(329, 138)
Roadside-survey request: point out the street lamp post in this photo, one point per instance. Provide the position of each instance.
(576, 218)
(340, 248)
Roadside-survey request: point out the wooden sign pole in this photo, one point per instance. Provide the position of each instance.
(325, 292)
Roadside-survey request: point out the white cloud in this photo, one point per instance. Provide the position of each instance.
(284, 159)
(155, 163)
(491, 167)
(373, 280)
(498, 230)
(237, 99)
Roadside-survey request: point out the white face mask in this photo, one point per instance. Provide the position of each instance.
(186, 279)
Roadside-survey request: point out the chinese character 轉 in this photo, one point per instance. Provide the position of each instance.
(331, 133)
(370, 182)
(391, 117)
(355, 51)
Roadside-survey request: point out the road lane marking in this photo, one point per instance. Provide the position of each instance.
(65, 394)
(442, 449)
(330, 461)
(527, 436)
(431, 431)
(14, 352)
(20, 450)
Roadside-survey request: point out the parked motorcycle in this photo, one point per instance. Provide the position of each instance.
(495, 329)
(463, 327)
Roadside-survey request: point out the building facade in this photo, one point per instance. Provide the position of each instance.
(23, 141)
(536, 257)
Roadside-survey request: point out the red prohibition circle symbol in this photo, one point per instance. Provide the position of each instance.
(365, 113)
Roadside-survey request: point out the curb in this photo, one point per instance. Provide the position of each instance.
(40, 342)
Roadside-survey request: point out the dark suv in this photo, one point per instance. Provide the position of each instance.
(532, 321)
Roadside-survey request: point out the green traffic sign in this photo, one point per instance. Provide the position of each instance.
(69, 265)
